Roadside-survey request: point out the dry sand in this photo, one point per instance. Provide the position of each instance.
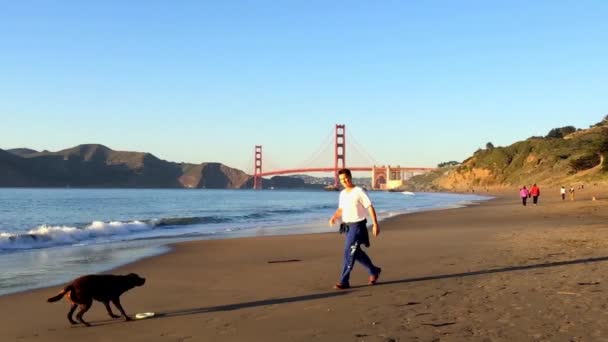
(497, 271)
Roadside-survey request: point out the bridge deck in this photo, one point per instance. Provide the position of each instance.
(355, 168)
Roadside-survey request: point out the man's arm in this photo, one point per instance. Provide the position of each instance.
(372, 214)
(335, 216)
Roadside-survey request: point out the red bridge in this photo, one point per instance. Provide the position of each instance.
(383, 177)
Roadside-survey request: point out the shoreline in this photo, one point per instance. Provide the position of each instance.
(482, 272)
(168, 243)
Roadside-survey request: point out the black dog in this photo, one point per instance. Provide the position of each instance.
(101, 287)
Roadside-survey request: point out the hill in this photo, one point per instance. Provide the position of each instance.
(565, 156)
(22, 152)
(95, 165)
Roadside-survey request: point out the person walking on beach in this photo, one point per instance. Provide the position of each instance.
(523, 193)
(535, 192)
(571, 193)
(562, 192)
(352, 207)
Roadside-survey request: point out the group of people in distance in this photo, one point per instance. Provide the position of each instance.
(534, 192)
(562, 192)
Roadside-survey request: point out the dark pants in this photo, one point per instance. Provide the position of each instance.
(355, 237)
(535, 199)
(524, 200)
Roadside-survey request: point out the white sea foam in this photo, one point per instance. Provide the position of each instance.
(48, 236)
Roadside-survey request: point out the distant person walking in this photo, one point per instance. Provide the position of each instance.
(535, 192)
(571, 193)
(353, 207)
(562, 192)
(523, 193)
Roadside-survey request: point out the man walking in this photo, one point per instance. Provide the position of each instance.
(352, 208)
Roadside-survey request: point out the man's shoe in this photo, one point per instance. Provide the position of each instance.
(373, 279)
(341, 286)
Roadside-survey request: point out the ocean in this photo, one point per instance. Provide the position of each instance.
(49, 236)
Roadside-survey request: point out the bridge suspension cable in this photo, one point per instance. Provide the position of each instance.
(359, 148)
(269, 164)
(325, 146)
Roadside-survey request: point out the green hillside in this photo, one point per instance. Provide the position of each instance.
(565, 156)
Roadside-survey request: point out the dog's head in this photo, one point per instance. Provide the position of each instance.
(135, 280)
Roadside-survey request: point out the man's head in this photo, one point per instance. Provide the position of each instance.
(346, 178)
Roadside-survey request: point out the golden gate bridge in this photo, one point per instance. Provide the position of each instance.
(383, 176)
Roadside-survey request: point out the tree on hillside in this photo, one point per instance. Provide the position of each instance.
(561, 132)
(489, 146)
(604, 122)
(449, 163)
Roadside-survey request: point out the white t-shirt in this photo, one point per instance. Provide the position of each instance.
(354, 204)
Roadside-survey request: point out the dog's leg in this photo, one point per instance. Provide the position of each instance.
(83, 308)
(116, 302)
(107, 304)
(71, 312)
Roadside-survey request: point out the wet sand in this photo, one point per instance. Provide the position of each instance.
(496, 271)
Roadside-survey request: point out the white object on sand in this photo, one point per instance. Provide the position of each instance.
(143, 315)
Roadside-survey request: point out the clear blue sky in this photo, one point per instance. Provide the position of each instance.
(416, 82)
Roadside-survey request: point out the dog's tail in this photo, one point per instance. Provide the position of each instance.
(67, 289)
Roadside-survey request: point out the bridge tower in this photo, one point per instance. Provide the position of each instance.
(257, 168)
(340, 152)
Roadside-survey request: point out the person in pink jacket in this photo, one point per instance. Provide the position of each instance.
(523, 193)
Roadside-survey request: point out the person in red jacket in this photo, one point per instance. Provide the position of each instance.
(535, 192)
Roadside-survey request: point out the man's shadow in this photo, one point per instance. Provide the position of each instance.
(497, 270)
(238, 306)
(229, 307)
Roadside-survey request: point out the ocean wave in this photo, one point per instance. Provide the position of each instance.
(186, 221)
(253, 216)
(260, 215)
(324, 206)
(284, 211)
(77, 234)
(49, 236)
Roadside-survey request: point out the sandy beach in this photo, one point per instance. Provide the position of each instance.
(496, 271)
